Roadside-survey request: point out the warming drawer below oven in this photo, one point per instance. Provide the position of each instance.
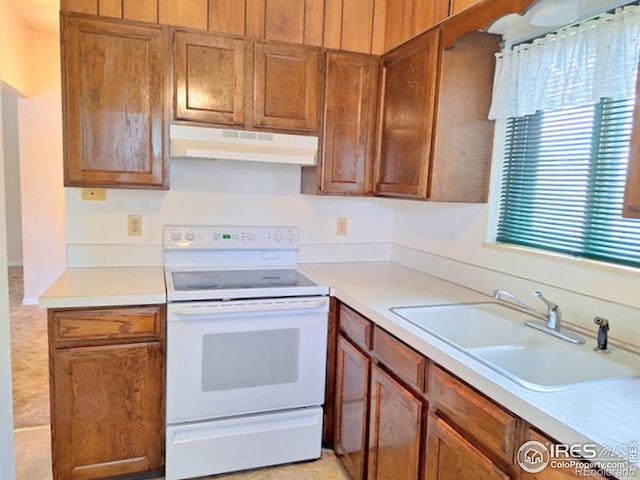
(229, 445)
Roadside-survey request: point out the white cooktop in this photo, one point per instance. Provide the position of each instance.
(224, 263)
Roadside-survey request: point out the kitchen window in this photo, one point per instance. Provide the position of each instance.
(566, 154)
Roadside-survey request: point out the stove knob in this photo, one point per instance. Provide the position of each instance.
(251, 236)
(279, 237)
(290, 236)
(176, 236)
(190, 237)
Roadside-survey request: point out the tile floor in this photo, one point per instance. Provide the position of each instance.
(31, 404)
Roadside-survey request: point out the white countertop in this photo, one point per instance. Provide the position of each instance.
(607, 414)
(103, 287)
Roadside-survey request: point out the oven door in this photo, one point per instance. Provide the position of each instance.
(241, 357)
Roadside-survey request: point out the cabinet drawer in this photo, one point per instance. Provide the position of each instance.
(493, 427)
(106, 324)
(357, 328)
(405, 362)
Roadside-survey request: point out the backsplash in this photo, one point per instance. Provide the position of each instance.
(217, 192)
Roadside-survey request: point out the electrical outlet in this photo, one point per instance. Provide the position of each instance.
(99, 194)
(134, 225)
(341, 226)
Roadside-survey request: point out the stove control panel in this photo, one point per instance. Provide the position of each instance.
(230, 238)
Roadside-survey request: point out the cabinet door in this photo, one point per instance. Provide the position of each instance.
(107, 409)
(450, 457)
(209, 78)
(114, 88)
(395, 430)
(285, 95)
(352, 398)
(409, 78)
(349, 123)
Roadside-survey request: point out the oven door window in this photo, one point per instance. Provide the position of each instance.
(231, 361)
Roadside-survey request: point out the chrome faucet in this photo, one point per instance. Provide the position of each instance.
(554, 316)
(552, 319)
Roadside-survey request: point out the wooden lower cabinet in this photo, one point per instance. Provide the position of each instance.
(107, 399)
(444, 431)
(395, 429)
(451, 457)
(352, 399)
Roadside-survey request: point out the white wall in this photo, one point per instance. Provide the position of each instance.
(41, 174)
(7, 460)
(225, 193)
(11, 152)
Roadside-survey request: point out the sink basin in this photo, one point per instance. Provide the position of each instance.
(495, 335)
(472, 324)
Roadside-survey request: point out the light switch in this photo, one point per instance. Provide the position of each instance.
(134, 225)
(341, 226)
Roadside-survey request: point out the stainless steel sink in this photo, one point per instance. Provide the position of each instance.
(496, 336)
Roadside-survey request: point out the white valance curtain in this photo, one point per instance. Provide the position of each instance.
(573, 67)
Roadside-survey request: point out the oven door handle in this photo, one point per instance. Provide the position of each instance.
(226, 308)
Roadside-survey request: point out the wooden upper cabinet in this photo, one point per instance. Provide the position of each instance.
(349, 123)
(452, 457)
(108, 411)
(395, 430)
(408, 99)
(286, 87)
(352, 400)
(463, 138)
(115, 104)
(209, 78)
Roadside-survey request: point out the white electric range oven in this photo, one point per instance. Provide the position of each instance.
(246, 351)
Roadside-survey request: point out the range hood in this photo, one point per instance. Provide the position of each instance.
(225, 144)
